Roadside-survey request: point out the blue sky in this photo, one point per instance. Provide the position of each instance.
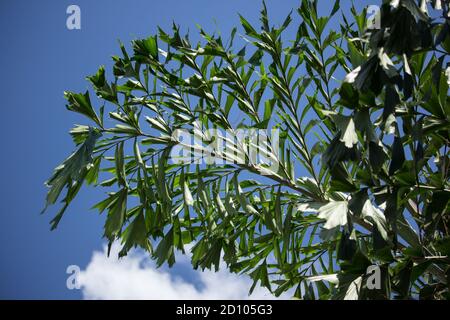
(40, 58)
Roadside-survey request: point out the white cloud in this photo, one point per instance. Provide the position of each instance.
(136, 277)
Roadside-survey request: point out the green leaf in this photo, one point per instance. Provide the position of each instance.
(336, 7)
(81, 103)
(260, 275)
(101, 86)
(136, 234)
(71, 174)
(249, 30)
(255, 59)
(79, 133)
(335, 214)
(346, 126)
(188, 199)
(268, 109)
(349, 96)
(116, 216)
(354, 289)
(146, 48)
(332, 278)
(398, 156)
(391, 101)
(159, 124)
(120, 165)
(93, 169)
(165, 251)
(376, 217)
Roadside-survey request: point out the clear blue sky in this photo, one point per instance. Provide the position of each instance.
(40, 59)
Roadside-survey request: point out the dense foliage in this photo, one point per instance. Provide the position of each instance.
(363, 175)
